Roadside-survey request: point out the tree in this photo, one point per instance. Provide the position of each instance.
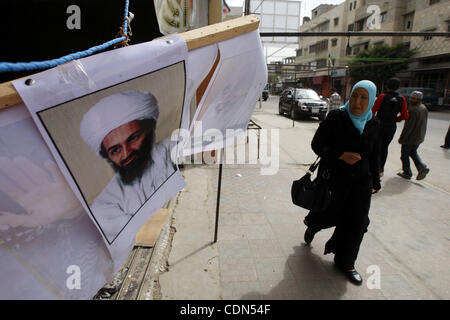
(380, 63)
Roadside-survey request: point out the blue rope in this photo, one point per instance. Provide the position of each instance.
(36, 65)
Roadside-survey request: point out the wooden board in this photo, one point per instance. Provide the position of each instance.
(8, 95)
(149, 233)
(214, 33)
(194, 39)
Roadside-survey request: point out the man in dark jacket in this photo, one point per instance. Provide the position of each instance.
(386, 108)
(413, 135)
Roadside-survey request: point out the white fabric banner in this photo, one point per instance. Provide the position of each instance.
(101, 96)
(116, 163)
(230, 99)
(49, 248)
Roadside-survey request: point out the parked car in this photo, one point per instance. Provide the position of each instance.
(265, 93)
(302, 102)
(430, 95)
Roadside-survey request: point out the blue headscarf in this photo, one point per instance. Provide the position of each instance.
(360, 121)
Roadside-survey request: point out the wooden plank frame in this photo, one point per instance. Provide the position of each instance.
(195, 39)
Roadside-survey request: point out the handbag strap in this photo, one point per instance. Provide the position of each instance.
(314, 166)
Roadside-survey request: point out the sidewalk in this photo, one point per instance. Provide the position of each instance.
(260, 252)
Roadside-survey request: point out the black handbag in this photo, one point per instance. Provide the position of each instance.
(312, 195)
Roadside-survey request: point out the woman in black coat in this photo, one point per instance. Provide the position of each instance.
(347, 143)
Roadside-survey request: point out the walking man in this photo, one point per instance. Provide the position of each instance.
(413, 135)
(386, 108)
(335, 100)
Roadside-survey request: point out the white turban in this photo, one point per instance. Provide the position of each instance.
(113, 111)
(417, 95)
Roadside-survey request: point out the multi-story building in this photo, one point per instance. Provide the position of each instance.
(431, 66)
(319, 57)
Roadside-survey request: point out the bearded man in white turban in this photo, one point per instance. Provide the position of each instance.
(121, 129)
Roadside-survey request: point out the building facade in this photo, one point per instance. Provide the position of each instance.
(319, 57)
(429, 69)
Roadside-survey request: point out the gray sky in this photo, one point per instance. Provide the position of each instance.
(307, 5)
(277, 52)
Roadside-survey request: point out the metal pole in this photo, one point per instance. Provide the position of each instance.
(354, 34)
(247, 7)
(218, 198)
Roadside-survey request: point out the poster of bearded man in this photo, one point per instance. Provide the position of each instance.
(116, 143)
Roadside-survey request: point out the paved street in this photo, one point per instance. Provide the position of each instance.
(260, 253)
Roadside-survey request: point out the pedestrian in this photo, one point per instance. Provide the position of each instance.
(335, 100)
(446, 144)
(121, 129)
(386, 108)
(413, 134)
(347, 143)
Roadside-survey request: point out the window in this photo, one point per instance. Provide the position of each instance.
(356, 50)
(334, 42)
(306, 94)
(429, 37)
(360, 24)
(351, 6)
(433, 2)
(321, 63)
(350, 27)
(319, 46)
(448, 30)
(383, 17)
(408, 25)
(336, 21)
(354, 4)
(324, 26)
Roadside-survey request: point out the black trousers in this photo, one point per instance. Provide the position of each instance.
(447, 138)
(387, 132)
(349, 213)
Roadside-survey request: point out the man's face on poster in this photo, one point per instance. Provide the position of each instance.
(128, 148)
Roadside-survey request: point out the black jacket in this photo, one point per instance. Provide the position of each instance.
(336, 135)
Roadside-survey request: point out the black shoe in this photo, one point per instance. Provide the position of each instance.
(309, 235)
(352, 275)
(422, 173)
